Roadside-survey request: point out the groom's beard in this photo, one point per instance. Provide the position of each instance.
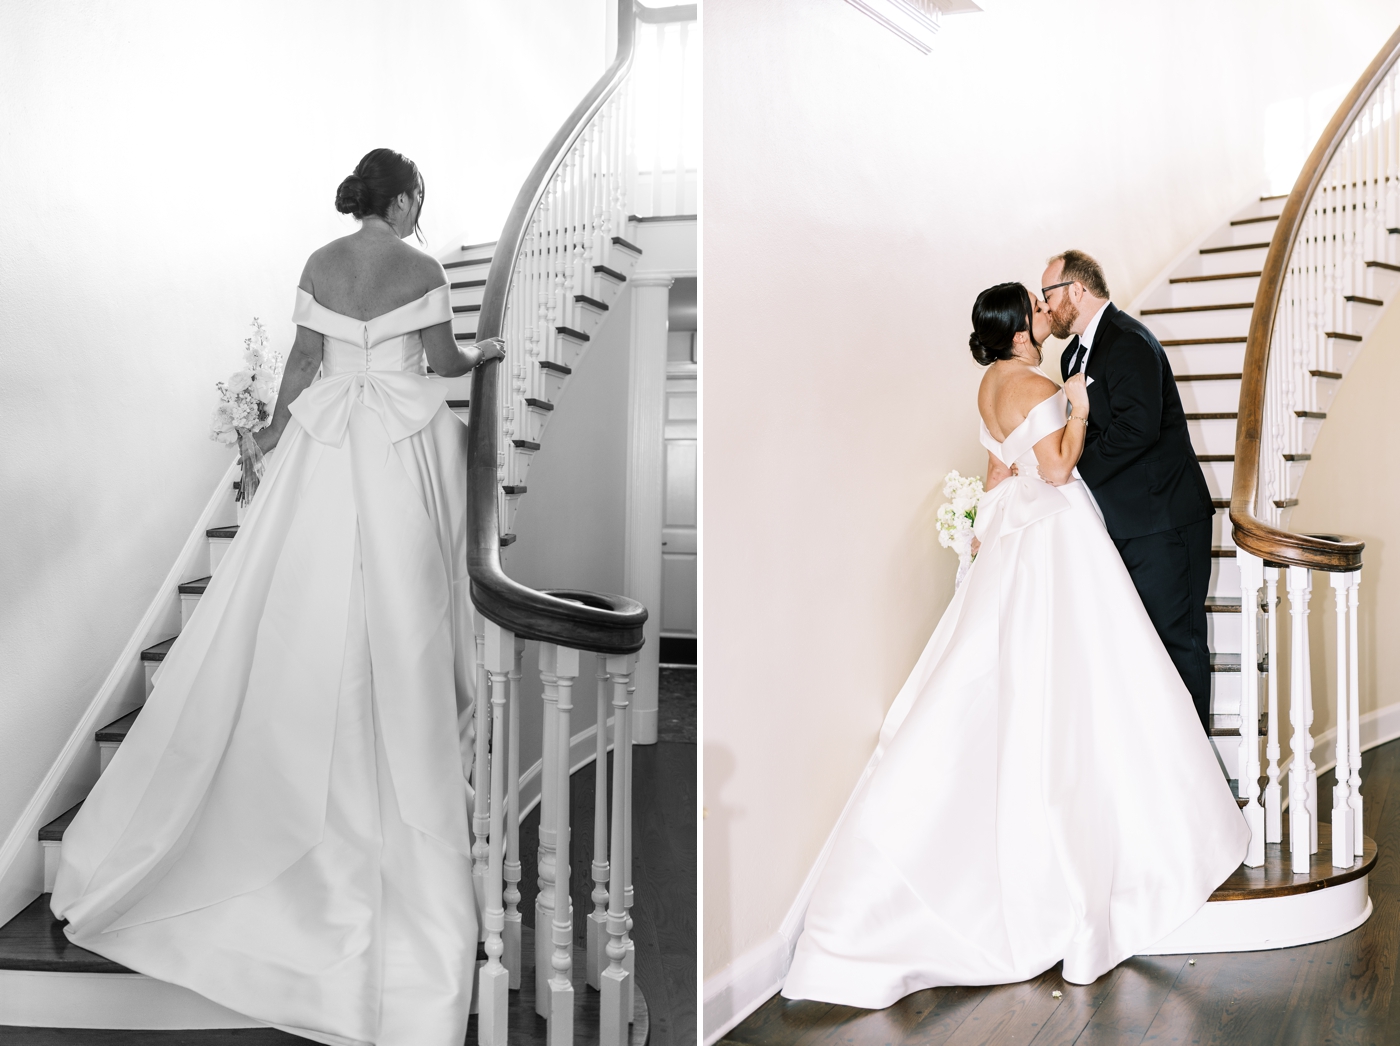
(1062, 319)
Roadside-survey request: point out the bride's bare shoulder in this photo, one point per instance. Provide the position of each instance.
(1014, 396)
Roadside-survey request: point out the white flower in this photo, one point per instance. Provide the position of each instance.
(240, 381)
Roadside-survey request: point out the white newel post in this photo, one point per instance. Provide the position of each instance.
(1273, 791)
(495, 978)
(511, 870)
(1341, 791)
(561, 665)
(1251, 581)
(614, 1017)
(646, 416)
(598, 918)
(1301, 788)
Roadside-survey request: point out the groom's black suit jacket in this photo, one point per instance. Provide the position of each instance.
(1137, 460)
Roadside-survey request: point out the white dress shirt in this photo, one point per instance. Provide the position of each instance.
(1086, 341)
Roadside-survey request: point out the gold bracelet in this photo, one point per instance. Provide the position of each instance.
(1076, 417)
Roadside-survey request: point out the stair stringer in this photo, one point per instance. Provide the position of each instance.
(75, 770)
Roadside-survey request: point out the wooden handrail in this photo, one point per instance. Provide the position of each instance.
(582, 620)
(1252, 534)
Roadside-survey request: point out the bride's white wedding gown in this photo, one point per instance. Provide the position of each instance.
(1042, 789)
(285, 828)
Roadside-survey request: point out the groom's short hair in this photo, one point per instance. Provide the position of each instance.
(1079, 266)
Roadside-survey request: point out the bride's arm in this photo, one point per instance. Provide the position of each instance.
(451, 360)
(996, 471)
(302, 364)
(1058, 453)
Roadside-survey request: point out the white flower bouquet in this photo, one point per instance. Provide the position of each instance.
(955, 518)
(245, 406)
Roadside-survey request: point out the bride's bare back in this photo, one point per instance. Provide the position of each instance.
(369, 273)
(1010, 390)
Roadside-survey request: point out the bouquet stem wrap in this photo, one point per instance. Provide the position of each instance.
(250, 456)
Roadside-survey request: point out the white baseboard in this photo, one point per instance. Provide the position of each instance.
(743, 986)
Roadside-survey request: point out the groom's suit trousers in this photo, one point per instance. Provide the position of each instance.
(1171, 571)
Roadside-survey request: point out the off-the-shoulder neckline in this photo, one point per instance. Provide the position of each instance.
(352, 319)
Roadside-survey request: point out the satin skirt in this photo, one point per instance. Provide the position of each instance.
(285, 829)
(1042, 789)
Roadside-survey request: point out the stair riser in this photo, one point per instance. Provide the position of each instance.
(1209, 397)
(1212, 435)
(218, 548)
(187, 604)
(1232, 261)
(1221, 531)
(1254, 232)
(458, 388)
(1224, 578)
(1382, 283)
(467, 295)
(465, 323)
(1206, 359)
(1224, 633)
(1228, 749)
(1218, 477)
(1231, 323)
(1225, 693)
(475, 252)
(1214, 292)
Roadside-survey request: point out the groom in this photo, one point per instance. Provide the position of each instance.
(1138, 461)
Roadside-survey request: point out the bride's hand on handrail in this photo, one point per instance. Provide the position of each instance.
(490, 349)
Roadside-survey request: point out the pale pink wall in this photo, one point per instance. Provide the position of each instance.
(858, 195)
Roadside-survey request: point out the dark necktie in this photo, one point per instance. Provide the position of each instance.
(1078, 362)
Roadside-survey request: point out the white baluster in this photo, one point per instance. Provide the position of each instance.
(629, 961)
(561, 663)
(494, 981)
(1300, 793)
(1251, 581)
(1358, 829)
(544, 900)
(481, 778)
(1273, 799)
(614, 1017)
(598, 918)
(511, 871)
(1342, 843)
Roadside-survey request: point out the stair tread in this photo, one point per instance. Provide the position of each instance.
(196, 587)
(221, 532)
(34, 940)
(1226, 725)
(117, 730)
(1362, 301)
(1208, 377)
(1218, 415)
(1222, 604)
(1211, 279)
(1205, 341)
(54, 829)
(1254, 221)
(1199, 308)
(1224, 662)
(1222, 552)
(158, 652)
(1235, 247)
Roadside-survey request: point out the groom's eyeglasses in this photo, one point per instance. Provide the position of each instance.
(1045, 291)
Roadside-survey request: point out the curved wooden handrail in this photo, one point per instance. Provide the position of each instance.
(582, 620)
(1252, 534)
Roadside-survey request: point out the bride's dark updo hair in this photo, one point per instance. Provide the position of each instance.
(998, 315)
(379, 177)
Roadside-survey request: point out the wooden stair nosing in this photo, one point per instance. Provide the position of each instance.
(1359, 300)
(1342, 336)
(117, 729)
(603, 270)
(569, 332)
(33, 940)
(1255, 221)
(1222, 604)
(1219, 415)
(466, 337)
(1332, 374)
(1225, 726)
(1220, 502)
(1317, 415)
(538, 404)
(1286, 503)
(1224, 662)
(526, 444)
(159, 650)
(514, 488)
(53, 831)
(195, 587)
(558, 368)
(1297, 457)
(458, 404)
(1235, 247)
(1382, 265)
(1212, 279)
(1208, 377)
(1215, 457)
(464, 264)
(1204, 341)
(1222, 552)
(507, 539)
(618, 241)
(222, 532)
(458, 310)
(584, 299)
(466, 285)
(1198, 308)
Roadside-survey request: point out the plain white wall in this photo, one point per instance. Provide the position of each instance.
(858, 195)
(167, 168)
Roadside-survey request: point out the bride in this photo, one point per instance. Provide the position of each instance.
(1041, 790)
(285, 828)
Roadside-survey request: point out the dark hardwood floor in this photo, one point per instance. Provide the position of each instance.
(1340, 991)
